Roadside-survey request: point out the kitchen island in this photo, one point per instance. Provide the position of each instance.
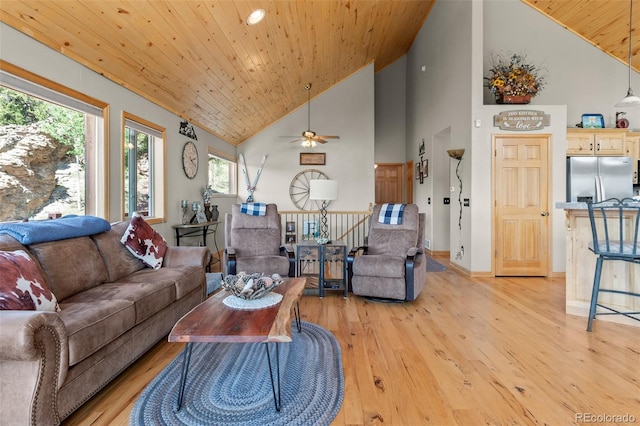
(580, 267)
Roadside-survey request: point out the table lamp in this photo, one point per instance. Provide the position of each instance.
(323, 190)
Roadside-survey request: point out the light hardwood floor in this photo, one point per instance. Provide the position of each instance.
(467, 352)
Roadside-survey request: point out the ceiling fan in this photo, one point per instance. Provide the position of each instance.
(309, 138)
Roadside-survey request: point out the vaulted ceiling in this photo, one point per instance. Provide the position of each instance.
(603, 23)
(200, 60)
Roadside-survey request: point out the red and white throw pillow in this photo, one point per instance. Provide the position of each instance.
(22, 286)
(144, 242)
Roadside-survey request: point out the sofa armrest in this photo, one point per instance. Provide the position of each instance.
(291, 257)
(34, 358)
(229, 261)
(351, 256)
(186, 256)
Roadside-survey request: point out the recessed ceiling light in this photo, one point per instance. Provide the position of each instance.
(255, 16)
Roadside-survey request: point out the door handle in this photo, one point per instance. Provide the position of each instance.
(544, 213)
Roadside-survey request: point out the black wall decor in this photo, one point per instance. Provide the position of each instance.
(187, 130)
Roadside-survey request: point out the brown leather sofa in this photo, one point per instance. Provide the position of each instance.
(113, 309)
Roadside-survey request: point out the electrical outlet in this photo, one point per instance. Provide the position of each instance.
(462, 250)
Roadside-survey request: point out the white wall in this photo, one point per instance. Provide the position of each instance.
(581, 79)
(390, 107)
(439, 110)
(444, 102)
(581, 76)
(345, 110)
(22, 51)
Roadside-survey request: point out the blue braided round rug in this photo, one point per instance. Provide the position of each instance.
(229, 384)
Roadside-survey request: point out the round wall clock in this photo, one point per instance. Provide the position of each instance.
(190, 159)
(299, 189)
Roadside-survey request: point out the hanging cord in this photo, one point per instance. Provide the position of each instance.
(630, 35)
(459, 194)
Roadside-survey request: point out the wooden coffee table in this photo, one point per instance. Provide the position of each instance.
(214, 322)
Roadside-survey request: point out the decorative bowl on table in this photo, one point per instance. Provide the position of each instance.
(251, 286)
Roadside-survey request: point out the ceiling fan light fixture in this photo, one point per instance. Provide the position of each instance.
(256, 16)
(308, 143)
(630, 100)
(309, 138)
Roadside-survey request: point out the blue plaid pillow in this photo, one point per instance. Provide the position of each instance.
(253, 209)
(391, 214)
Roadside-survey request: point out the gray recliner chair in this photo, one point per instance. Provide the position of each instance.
(253, 244)
(392, 265)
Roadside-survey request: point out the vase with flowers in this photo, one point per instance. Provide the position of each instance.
(211, 211)
(512, 80)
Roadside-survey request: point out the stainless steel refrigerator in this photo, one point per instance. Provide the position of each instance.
(599, 178)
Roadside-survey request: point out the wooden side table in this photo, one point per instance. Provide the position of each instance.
(197, 230)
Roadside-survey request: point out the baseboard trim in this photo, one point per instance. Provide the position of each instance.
(477, 274)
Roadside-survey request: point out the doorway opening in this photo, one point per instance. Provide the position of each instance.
(439, 230)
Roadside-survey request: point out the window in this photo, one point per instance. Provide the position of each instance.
(143, 166)
(222, 174)
(72, 123)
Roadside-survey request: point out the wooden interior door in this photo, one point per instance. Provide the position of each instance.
(389, 183)
(521, 218)
(408, 187)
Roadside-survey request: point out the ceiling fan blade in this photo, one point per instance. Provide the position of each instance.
(328, 137)
(317, 139)
(297, 140)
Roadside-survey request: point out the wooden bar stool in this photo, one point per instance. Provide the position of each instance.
(615, 237)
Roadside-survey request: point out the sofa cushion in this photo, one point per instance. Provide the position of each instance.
(270, 264)
(70, 266)
(148, 295)
(118, 260)
(373, 265)
(22, 286)
(246, 243)
(144, 242)
(388, 288)
(93, 319)
(269, 220)
(7, 242)
(394, 240)
(184, 278)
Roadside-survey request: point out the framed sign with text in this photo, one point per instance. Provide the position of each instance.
(521, 120)
(313, 158)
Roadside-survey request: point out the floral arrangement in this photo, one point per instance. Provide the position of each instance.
(207, 194)
(513, 76)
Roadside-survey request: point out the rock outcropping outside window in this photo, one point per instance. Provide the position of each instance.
(29, 161)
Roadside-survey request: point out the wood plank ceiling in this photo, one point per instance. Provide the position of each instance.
(603, 23)
(200, 60)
